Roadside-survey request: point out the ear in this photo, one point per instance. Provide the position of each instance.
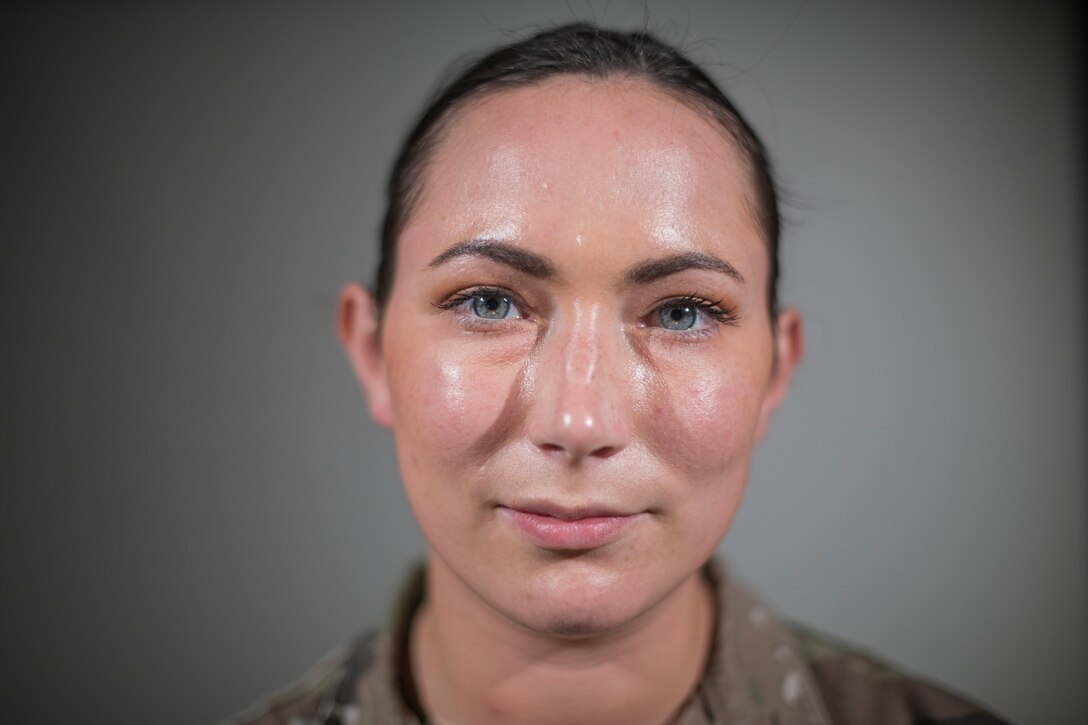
(789, 345)
(359, 332)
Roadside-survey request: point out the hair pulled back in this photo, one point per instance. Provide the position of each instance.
(579, 49)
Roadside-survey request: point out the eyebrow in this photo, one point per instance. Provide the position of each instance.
(525, 262)
(654, 269)
(535, 265)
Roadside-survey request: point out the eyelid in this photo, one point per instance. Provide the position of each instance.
(457, 299)
(718, 311)
(713, 313)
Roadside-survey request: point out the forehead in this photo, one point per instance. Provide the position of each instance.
(570, 154)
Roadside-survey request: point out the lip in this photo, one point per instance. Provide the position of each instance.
(563, 529)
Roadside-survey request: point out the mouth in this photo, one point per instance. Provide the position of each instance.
(559, 528)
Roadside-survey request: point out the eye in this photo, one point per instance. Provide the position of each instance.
(490, 305)
(691, 314)
(484, 305)
(680, 316)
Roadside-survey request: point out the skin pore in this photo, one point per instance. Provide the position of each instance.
(576, 361)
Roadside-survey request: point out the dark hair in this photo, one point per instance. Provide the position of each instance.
(577, 49)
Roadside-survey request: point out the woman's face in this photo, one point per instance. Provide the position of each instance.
(576, 355)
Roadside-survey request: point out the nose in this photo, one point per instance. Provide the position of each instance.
(579, 406)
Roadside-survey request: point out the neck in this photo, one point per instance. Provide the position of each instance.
(472, 664)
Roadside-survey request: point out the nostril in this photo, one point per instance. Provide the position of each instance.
(605, 452)
(602, 452)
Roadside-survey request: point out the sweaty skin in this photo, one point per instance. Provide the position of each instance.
(526, 391)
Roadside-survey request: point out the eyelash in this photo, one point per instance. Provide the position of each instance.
(480, 323)
(717, 311)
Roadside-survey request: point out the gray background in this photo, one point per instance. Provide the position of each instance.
(195, 505)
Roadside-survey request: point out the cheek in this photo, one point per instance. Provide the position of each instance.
(445, 402)
(702, 420)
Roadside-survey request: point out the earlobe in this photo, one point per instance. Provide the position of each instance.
(789, 346)
(357, 327)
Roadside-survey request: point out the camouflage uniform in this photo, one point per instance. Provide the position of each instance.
(761, 671)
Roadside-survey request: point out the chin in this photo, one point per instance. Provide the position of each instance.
(566, 622)
(575, 627)
(574, 598)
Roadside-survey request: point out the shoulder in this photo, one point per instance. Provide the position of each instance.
(357, 683)
(319, 696)
(859, 688)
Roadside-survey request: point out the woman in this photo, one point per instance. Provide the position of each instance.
(575, 339)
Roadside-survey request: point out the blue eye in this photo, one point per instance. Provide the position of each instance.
(678, 316)
(491, 306)
(482, 307)
(691, 313)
